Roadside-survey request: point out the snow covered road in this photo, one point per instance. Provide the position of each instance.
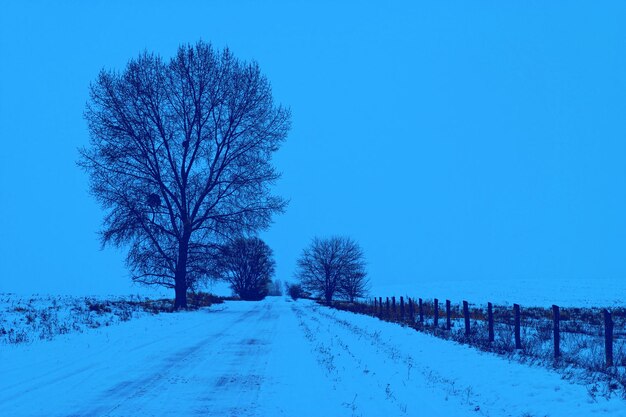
(276, 358)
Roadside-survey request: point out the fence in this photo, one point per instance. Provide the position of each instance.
(589, 337)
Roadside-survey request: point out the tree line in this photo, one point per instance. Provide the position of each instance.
(179, 159)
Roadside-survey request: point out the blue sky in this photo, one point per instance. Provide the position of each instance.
(452, 140)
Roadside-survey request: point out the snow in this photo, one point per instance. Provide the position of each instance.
(276, 358)
(23, 319)
(527, 292)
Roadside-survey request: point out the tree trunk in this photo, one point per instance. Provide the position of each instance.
(181, 293)
(180, 278)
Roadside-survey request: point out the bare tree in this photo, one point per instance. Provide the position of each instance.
(179, 159)
(248, 265)
(354, 285)
(327, 265)
(295, 291)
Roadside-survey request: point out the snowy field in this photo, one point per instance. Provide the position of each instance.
(276, 358)
(528, 292)
(43, 317)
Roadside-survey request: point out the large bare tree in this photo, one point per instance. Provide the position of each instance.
(180, 159)
(333, 266)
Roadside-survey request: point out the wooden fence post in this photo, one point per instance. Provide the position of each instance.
(436, 321)
(608, 338)
(490, 319)
(518, 338)
(388, 315)
(556, 315)
(393, 308)
(448, 324)
(401, 308)
(421, 311)
(380, 307)
(467, 317)
(411, 311)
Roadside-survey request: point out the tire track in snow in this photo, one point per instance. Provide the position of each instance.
(329, 348)
(60, 374)
(395, 384)
(136, 396)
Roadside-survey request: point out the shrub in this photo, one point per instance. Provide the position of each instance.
(295, 291)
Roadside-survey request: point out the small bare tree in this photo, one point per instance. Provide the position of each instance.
(328, 265)
(248, 265)
(180, 159)
(354, 285)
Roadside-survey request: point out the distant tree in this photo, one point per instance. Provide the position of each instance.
(295, 291)
(354, 285)
(248, 265)
(179, 159)
(275, 288)
(327, 265)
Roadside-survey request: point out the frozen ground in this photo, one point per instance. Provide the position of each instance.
(528, 292)
(276, 358)
(39, 317)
